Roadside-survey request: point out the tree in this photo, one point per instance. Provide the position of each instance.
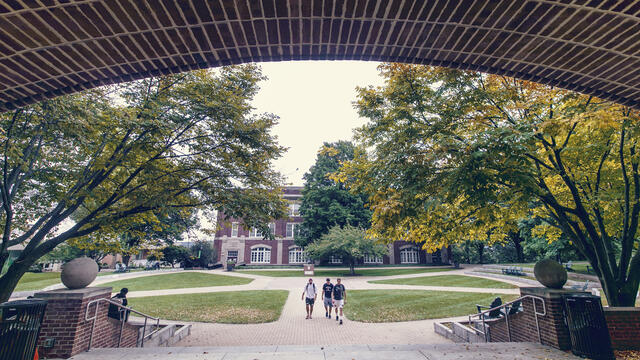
(480, 247)
(517, 240)
(537, 246)
(348, 243)
(175, 254)
(65, 252)
(327, 203)
(115, 155)
(454, 154)
(203, 253)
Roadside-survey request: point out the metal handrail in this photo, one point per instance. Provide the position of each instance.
(481, 315)
(122, 309)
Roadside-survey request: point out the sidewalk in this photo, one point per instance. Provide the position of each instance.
(293, 329)
(491, 351)
(295, 284)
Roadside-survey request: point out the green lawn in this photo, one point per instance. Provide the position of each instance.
(334, 273)
(176, 281)
(449, 280)
(408, 305)
(233, 307)
(37, 281)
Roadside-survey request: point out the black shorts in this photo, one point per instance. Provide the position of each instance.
(310, 301)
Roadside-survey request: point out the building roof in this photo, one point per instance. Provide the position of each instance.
(49, 48)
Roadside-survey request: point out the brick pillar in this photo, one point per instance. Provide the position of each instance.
(553, 329)
(624, 327)
(64, 320)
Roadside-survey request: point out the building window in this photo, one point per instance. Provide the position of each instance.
(261, 255)
(409, 255)
(292, 229)
(257, 233)
(370, 259)
(234, 229)
(232, 254)
(294, 209)
(297, 255)
(336, 260)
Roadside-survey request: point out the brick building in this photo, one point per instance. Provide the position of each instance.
(247, 246)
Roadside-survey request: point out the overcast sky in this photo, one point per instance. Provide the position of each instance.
(314, 102)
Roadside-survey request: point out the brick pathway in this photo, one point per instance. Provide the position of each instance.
(293, 329)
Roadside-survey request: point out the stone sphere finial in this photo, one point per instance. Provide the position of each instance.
(550, 273)
(79, 273)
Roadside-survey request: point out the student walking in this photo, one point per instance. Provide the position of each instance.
(309, 296)
(327, 289)
(339, 297)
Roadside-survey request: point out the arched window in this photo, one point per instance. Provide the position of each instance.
(409, 255)
(297, 255)
(261, 255)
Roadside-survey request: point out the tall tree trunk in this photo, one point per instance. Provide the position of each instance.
(10, 279)
(517, 244)
(352, 267)
(480, 248)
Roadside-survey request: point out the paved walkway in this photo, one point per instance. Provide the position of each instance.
(492, 351)
(293, 329)
(295, 284)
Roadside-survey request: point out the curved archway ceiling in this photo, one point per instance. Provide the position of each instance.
(50, 47)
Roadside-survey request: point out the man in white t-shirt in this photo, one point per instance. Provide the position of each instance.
(309, 296)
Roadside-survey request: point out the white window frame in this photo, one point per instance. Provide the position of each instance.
(230, 253)
(293, 227)
(335, 260)
(294, 209)
(255, 232)
(261, 254)
(409, 255)
(370, 259)
(235, 229)
(297, 255)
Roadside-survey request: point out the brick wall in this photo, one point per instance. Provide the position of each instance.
(624, 327)
(553, 331)
(64, 321)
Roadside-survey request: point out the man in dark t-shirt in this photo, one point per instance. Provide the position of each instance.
(327, 288)
(339, 297)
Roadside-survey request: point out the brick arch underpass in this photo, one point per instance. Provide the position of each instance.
(49, 48)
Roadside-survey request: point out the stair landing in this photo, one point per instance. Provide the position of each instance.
(497, 351)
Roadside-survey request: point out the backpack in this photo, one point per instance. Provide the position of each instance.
(307, 286)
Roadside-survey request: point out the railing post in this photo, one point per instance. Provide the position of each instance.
(122, 319)
(506, 318)
(535, 313)
(93, 324)
(484, 330)
(144, 331)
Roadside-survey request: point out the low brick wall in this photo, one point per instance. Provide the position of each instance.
(624, 327)
(623, 323)
(553, 331)
(64, 321)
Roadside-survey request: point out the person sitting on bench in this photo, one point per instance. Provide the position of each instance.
(116, 312)
(495, 313)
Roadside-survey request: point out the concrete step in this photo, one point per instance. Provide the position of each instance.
(492, 351)
(168, 335)
(458, 332)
